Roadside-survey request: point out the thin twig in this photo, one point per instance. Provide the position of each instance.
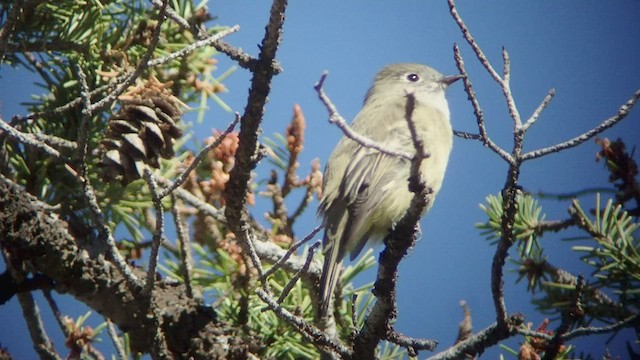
(583, 330)
(266, 250)
(157, 233)
(55, 310)
(248, 239)
(180, 179)
(31, 140)
(196, 45)
(278, 264)
(105, 233)
(575, 194)
(502, 81)
(304, 202)
(43, 69)
(592, 330)
(553, 226)
(198, 204)
(296, 276)
(57, 142)
(477, 110)
(71, 104)
(242, 58)
(624, 110)
(536, 114)
(472, 42)
(41, 341)
(480, 341)
(338, 120)
(184, 241)
(505, 84)
(409, 342)
(466, 135)
(122, 355)
(86, 115)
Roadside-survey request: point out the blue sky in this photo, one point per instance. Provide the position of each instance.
(587, 50)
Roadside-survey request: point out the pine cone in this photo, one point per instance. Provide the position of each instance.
(143, 130)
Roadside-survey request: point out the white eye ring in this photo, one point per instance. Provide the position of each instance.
(413, 77)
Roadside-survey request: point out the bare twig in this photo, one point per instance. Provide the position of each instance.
(306, 199)
(413, 344)
(472, 42)
(484, 339)
(593, 330)
(248, 239)
(466, 135)
(624, 110)
(31, 313)
(477, 110)
(296, 276)
(196, 45)
(278, 264)
(55, 310)
(575, 194)
(505, 84)
(184, 241)
(70, 105)
(180, 179)
(266, 250)
(554, 226)
(243, 59)
(338, 120)
(31, 140)
(43, 69)
(86, 115)
(122, 355)
(536, 114)
(157, 233)
(202, 206)
(57, 142)
(583, 330)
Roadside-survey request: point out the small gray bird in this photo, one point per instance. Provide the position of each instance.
(365, 191)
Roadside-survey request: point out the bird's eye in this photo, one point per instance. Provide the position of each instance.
(413, 77)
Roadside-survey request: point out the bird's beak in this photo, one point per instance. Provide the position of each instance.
(448, 80)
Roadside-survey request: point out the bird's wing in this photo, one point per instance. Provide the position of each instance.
(370, 176)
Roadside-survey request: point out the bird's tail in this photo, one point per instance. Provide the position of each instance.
(330, 274)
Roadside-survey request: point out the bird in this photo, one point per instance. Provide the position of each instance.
(365, 191)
